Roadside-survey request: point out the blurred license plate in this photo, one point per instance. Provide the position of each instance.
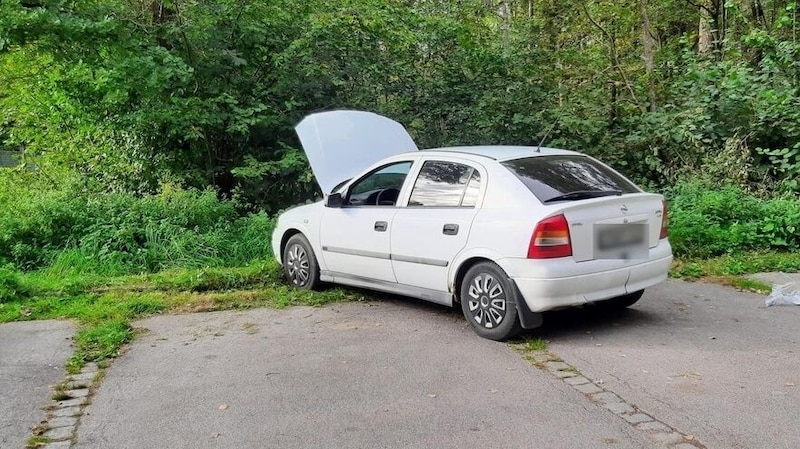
(620, 241)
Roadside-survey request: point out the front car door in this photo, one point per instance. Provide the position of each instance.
(355, 238)
(434, 227)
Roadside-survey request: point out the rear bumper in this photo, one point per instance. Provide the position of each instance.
(553, 292)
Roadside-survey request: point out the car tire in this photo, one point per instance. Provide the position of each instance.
(621, 302)
(489, 302)
(300, 264)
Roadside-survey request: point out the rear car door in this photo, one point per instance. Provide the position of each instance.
(434, 226)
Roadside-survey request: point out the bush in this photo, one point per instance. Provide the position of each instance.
(120, 233)
(11, 286)
(707, 221)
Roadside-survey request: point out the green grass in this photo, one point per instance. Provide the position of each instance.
(535, 344)
(731, 269)
(737, 264)
(710, 221)
(105, 306)
(37, 441)
(534, 350)
(60, 396)
(528, 345)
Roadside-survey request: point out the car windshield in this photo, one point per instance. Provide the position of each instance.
(568, 178)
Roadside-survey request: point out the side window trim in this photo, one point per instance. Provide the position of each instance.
(466, 187)
(349, 190)
(471, 171)
(475, 172)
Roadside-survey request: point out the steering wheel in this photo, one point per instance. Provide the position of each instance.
(387, 197)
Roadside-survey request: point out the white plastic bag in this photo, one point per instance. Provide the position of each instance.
(783, 295)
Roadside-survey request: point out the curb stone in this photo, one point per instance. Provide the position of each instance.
(657, 431)
(63, 417)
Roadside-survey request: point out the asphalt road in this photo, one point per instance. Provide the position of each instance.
(711, 361)
(706, 360)
(32, 357)
(395, 374)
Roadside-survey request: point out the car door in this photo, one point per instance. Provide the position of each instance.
(355, 237)
(434, 226)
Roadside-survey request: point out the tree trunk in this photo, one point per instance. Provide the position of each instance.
(505, 12)
(704, 32)
(647, 41)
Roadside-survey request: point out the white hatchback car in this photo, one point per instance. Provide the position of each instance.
(508, 232)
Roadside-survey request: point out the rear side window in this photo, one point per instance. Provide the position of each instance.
(568, 178)
(445, 184)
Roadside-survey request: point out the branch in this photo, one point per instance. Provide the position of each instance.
(614, 58)
(242, 4)
(706, 8)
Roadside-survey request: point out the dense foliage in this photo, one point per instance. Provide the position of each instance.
(708, 222)
(150, 129)
(125, 96)
(117, 234)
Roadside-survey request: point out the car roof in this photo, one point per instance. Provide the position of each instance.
(503, 152)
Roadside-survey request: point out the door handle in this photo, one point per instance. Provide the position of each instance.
(450, 229)
(380, 226)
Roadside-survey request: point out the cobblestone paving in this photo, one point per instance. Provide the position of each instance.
(64, 415)
(659, 432)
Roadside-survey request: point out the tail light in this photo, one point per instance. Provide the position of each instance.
(664, 217)
(550, 239)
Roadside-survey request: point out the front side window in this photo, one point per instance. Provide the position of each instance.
(445, 184)
(568, 178)
(381, 187)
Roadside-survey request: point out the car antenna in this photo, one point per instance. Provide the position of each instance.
(549, 130)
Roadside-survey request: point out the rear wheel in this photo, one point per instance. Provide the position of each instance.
(299, 263)
(621, 302)
(489, 302)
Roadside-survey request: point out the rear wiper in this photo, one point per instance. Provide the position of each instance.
(583, 195)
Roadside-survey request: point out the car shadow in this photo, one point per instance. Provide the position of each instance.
(564, 323)
(591, 319)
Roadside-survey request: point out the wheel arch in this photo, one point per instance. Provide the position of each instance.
(287, 234)
(462, 271)
(528, 319)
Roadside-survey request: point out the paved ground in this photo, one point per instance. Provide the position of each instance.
(395, 374)
(706, 359)
(32, 357)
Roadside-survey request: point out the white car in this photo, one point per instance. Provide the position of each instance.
(508, 232)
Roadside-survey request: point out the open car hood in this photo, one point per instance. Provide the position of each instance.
(342, 144)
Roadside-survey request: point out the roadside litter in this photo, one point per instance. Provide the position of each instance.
(784, 295)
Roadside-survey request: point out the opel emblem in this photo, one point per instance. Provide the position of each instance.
(624, 209)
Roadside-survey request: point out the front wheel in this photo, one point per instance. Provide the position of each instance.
(299, 263)
(489, 302)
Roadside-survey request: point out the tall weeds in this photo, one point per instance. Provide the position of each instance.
(118, 234)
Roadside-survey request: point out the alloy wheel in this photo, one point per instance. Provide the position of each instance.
(297, 265)
(487, 301)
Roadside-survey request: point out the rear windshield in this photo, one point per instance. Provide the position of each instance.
(568, 178)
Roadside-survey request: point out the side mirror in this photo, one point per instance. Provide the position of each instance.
(334, 200)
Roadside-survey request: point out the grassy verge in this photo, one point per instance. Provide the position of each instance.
(731, 269)
(105, 307)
